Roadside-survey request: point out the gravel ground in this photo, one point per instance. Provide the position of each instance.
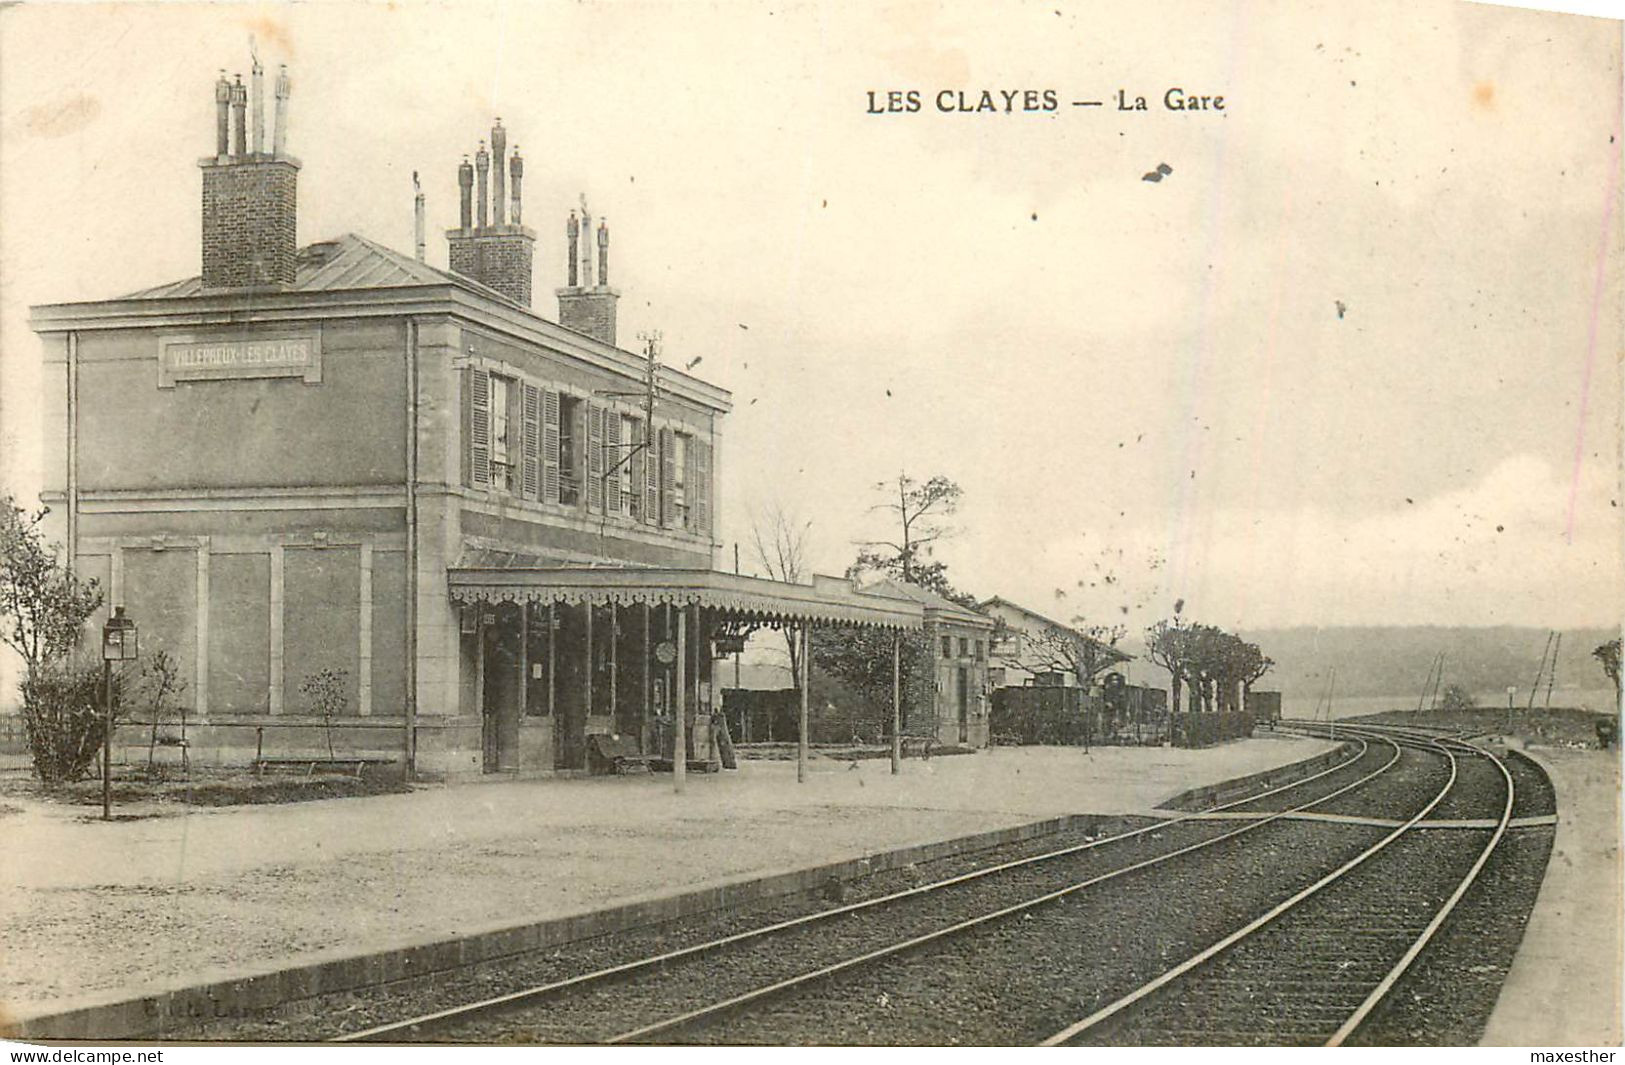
(330, 1015)
(1295, 981)
(1021, 979)
(1017, 982)
(1373, 760)
(1446, 997)
(1407, 787)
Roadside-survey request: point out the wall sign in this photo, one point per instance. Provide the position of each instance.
(238, 355)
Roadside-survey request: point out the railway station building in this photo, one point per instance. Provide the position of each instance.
(496, 528)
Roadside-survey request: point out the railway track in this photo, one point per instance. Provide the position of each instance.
(1312, 969)
(639, 986)
(1306, 961)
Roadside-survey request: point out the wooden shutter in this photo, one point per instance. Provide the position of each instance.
(651, 483)
(700, 492)
(635, 500)
(550, 445)
(479, 427)
(612, 459)
(530, 445)
(691, 483)
(595, 458)
(668, 479)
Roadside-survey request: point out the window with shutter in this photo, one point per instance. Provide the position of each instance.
(651, 491)
(550, 446)
(701, 490)
(613, 455)
(668, 477)
(530, 446)
(635, 475)
(479, 427)
(595, 458)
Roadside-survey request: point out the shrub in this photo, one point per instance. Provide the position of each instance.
(1457, 698)
(327, 692)
(63, 717)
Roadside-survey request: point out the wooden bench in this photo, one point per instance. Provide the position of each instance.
(354, 766)
(918, 746)
(618, 754)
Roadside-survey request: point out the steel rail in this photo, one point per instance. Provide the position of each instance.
(631, 968)
(1382, 989)
(824, 972)
(1386, 984)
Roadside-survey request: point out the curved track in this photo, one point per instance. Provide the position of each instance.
(928, 910)
(1305, 968)
(1311, 969)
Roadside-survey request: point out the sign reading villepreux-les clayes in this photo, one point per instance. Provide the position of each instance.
(225, 357)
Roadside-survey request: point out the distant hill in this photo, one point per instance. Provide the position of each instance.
(1395, 660)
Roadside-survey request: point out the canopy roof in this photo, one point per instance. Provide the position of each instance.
(827, 601)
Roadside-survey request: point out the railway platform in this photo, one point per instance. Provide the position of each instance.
(107, 911)
(1564, 987)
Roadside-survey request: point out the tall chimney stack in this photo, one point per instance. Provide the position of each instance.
(465, 191)
(573, 239)
(239, 118)
(498, 253)
(222, 116)
(586, 243)
(257, 80)
(284, 89)
(482, 174)
(499, 191)
(417, 219)
(516, 170)
(584, 306)
(250, 201)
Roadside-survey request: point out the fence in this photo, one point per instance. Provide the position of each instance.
(1071, 717)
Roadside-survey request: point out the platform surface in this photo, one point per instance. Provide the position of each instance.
(90, 908)
(1564, 986)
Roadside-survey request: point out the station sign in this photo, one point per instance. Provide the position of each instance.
(239, 354)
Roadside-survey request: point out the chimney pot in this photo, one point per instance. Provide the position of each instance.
(222, 115)
(465, 188)
(499, 192)
(239, 118)
(284, 89)
(516, 169)
(482, 172)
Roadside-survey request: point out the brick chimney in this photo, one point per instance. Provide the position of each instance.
(492, 251)
(585, 306)
(250, 196)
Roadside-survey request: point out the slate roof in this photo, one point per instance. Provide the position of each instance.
(348, 262)
(929, 599)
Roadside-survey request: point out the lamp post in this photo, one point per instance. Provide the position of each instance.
(118, 645)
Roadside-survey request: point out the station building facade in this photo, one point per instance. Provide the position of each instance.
(497, 528)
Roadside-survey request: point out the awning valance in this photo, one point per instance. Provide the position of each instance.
(827, 601)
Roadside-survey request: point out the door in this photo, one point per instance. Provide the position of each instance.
(962, 678)
(499, 719)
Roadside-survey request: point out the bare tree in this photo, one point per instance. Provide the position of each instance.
(780, 544)
(919, 509)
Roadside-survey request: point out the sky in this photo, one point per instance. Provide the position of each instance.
(1354, 359)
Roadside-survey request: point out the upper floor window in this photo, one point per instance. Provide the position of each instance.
(682, 449)
(631, 462)
(572, 453)
(504, 394)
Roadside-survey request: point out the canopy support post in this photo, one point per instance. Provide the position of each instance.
(801, 729)
(896, 703)
(679, 743)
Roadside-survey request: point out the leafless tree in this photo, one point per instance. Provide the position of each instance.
(780, 543)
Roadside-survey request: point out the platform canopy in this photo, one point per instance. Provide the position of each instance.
(826, 601)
